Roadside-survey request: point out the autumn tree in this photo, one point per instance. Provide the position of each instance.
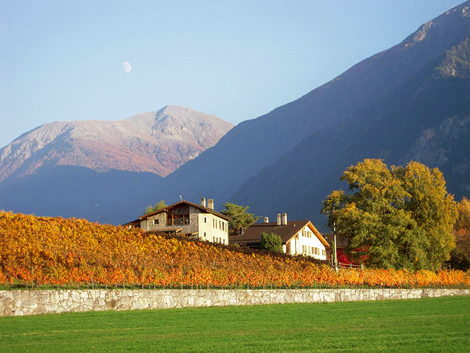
(158, 206)
(240, 219)
(461, 254)
(398, 217)
(463, 221)
(271, 241)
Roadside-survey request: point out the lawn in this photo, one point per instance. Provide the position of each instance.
(422, 325)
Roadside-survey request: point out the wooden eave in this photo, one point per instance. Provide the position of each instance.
(165, 230)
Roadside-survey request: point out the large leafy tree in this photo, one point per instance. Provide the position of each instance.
(432, 208)
(240, 219)
(398, 217)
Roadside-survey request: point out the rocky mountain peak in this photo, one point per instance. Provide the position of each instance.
(440, 27)
(186, 125)
(157, 142)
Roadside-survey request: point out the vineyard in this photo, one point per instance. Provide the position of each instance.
(57, 252)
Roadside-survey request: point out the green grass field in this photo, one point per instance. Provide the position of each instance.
(423, 325)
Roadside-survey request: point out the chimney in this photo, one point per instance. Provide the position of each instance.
(266, 219)
(210, 204)
(203, 201)
(284, 219)
(278, 219)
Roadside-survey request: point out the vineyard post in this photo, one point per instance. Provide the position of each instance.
(335, 255)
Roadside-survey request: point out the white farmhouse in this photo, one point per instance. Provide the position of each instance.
(298, 237)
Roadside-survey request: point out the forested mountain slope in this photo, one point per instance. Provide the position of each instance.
(254, 144)
(426, 119)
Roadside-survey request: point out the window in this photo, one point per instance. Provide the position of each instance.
(205, 234)
(205, 219)
(219, 240)
(156, 221)
(323, 252)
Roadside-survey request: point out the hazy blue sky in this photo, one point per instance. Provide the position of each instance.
(63, 60)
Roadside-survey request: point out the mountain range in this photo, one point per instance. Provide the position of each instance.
(157, 142)
(408, 102)
(59, 168)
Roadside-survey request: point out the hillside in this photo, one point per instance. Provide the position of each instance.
(60, 252)
(46, 250)
(426, 119)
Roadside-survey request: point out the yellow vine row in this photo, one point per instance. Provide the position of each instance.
(56, 251)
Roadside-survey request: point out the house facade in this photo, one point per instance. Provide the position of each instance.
(187, 218)
(298, 237)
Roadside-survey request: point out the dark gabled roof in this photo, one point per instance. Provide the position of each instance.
(183, 202)
(252, 235)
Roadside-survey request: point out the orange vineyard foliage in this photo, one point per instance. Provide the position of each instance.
(55, 251)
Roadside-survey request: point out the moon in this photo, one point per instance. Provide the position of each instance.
(127, 67)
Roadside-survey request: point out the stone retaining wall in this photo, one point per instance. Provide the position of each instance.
(33, 302)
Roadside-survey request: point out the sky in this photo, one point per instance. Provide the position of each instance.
(65, 60)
